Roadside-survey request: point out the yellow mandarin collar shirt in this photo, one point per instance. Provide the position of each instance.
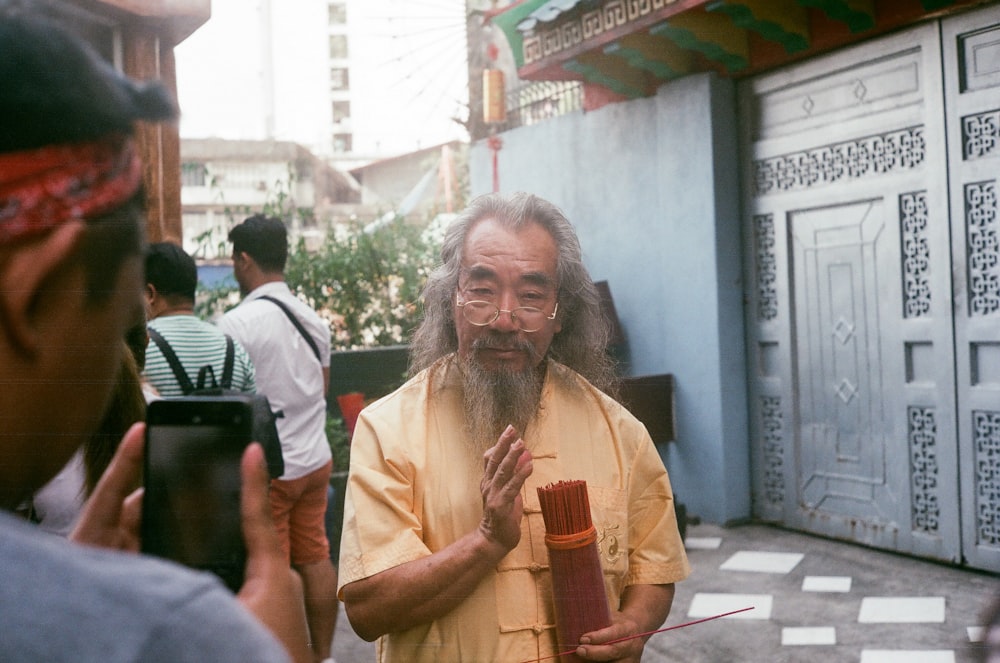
(414, 489)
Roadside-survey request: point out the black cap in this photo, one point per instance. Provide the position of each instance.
(55, 89)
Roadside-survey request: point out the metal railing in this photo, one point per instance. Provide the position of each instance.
(536, 101)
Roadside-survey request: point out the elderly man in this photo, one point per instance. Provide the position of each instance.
(442, 556)
(70, 285)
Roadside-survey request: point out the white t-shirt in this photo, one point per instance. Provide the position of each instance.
(57, 504)
(288, 372)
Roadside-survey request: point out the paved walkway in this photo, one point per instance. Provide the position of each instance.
(814, 600)
(819, 600)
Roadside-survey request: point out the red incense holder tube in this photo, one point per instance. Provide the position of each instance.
(580, 600)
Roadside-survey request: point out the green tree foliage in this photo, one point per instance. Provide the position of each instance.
(365, 280)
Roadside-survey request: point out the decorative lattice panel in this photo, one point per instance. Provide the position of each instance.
(981, 135)
(767, 267)
(915, 254)
(874, 155)
(774, 449)
(986, 441)
(983, 247)
(924, 480)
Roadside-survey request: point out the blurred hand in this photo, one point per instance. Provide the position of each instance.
(112, 514)
(271, 591)
(507, 465)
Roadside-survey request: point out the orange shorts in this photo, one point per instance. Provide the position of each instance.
(298, 507)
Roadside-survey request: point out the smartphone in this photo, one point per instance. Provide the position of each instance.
(191, 505)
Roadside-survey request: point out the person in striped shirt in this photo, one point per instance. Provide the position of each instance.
(171, 280)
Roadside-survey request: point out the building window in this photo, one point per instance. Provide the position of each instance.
(192, 174)
(341, 143)
(339, 79)
(338, 14)
(338, 47)
(246, 176)
(341, 111)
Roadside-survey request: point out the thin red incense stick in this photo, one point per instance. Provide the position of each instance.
(642, 635)
(565, 507)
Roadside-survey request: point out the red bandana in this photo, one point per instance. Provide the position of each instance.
(45, 187)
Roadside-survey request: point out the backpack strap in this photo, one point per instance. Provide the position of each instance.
(227, 366)
(204, 373)
(298, 325)
(175, 364)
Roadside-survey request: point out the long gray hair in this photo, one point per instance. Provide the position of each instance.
(582, 343)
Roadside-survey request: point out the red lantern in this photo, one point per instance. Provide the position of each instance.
(494, 101)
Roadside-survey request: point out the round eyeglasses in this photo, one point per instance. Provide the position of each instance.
(526, 318)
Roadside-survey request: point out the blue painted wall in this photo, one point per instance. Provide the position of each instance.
(653, 188)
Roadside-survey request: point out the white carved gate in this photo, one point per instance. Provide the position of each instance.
(875, 393)
(972, 77)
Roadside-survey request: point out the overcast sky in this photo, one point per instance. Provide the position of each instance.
(407, 60)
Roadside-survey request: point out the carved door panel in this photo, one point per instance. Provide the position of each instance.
(838, 254)
(850, 319)
(972, 80)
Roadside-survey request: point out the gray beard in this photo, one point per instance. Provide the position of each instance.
(495, 398)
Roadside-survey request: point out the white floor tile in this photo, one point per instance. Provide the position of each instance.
(976, 633)
(901, 610)
(826, 584)
(709, 605)
(890, 656)
(809, 635)
(762, 562)
(702, 542)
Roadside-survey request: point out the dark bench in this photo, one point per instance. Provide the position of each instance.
(373, 371)
(651, 399)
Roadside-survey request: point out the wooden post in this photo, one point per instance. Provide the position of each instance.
(147, 57)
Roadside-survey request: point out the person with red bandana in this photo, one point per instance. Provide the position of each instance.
(71, 240)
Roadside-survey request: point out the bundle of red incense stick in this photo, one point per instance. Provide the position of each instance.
(581, 602)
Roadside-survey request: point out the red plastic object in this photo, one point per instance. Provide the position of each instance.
(350, 407)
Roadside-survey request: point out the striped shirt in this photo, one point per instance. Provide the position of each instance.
(196, 343)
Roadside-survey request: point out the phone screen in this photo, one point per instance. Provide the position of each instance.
(191, 506)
